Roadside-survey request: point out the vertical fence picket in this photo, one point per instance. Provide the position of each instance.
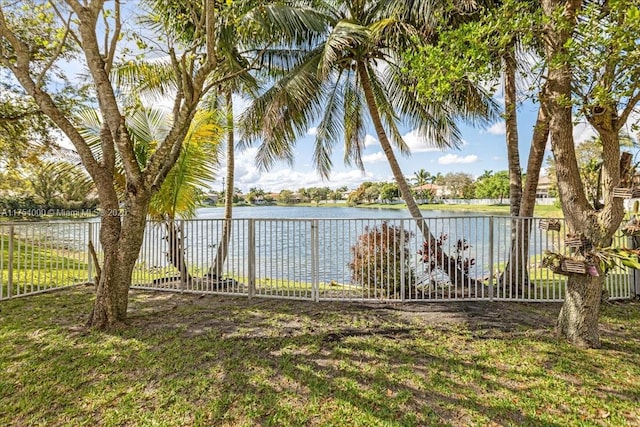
(491, 256)
(251, 257)
(314, 260)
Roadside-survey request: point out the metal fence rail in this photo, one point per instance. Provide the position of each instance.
(38, 257)
(311, 259)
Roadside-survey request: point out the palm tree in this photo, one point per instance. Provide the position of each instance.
(356, 65)
(421, 177)
(179, 194)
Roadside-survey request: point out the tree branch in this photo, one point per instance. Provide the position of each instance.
(21, 68)
(114, 40)
(105, 92)
(628, 109)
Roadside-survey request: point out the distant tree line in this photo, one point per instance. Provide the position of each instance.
(426, 188)
(46, 186)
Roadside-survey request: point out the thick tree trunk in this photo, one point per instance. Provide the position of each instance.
(578, 319)
(446, 263)
(121, 239)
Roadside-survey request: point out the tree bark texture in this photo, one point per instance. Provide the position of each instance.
(516, 273)
(121, 239)
(578, 318)
(511, 125)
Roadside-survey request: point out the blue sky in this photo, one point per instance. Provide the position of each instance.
(483, 149)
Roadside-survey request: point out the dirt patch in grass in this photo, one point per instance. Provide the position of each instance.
(256, 317)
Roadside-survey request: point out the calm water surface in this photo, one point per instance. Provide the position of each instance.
(319, 212)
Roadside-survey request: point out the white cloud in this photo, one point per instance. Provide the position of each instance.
(496, 158)
(498, 128)
(281, 177)
(417, 143)
(370, 141)
(374, 157)
(583, 131)
(312, 131)
(454, 159)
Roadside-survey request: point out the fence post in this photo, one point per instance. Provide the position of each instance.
(315, 292)
(402, 261)
(10, 271)
(181, 253)
(251, 257)
(634, 243)
(491, 243)
(89, 257)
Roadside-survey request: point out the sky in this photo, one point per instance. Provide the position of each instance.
(482, 149)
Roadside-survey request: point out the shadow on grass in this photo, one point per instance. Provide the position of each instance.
(186, 360)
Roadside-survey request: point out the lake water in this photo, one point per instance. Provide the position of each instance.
(284, 236)
(319, 212)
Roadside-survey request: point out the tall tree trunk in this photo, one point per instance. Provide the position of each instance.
(121, 238)
(515, 276)
(511, 125)
(446, 263)
(578, 318)
(217, 267)
(516, 270)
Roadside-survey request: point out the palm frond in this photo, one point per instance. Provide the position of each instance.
(354, 122)
(144, 78)
(283, 113)
(180, 192)
(284, 24)
(329, 131)
(147, 127)
(344, 37)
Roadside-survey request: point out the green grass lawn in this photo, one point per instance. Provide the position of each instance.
(39, 266)
(541, 211)
(189, 360)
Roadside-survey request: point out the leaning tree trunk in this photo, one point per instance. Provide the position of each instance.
(445, 262)
(217, 267)
(121, 239)
(175, 241)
